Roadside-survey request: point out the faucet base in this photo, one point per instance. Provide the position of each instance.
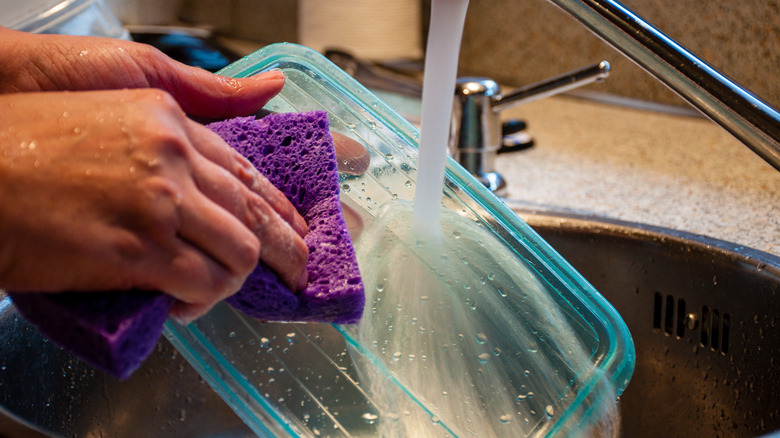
(493, 181)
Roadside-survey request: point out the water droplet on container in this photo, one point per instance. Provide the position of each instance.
(481, 338)
(369, 417)
(505, 419)
(483, 358)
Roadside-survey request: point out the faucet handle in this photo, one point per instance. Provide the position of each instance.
(559, 84)
(475, 131)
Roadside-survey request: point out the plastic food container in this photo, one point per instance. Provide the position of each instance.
(68, 17)
(309, 380)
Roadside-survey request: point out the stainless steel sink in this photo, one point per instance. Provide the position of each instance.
(702, 313)
(703, 316)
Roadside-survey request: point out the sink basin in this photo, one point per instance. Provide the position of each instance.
(702, 314)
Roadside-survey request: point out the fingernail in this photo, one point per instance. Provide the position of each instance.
(181, 320)
(272, 75)
(179, 316)
(299, 225)
(303, 281)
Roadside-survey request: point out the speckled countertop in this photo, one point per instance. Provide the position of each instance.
(684, 173)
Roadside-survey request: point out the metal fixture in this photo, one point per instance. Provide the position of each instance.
(750, 120)
(476, 126)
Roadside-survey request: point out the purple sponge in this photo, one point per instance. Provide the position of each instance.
(116, 331)
(295, 152)
(113, 331)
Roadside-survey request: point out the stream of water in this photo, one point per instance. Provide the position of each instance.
(467, 333)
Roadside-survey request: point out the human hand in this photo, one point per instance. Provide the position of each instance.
(31, 62)
(114, 190)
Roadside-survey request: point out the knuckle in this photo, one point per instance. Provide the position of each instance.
(170, 144)
(159, 204)
(247, 254)
(129, 245)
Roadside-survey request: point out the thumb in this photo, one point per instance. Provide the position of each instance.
(204, 94)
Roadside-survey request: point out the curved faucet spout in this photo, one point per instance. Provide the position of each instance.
(745, 116)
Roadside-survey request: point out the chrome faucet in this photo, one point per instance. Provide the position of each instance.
(746, 117)
(475, 130)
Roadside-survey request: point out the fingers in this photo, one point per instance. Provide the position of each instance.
(232, 251)
(230, 181)
(282, 246)
(205, 94)
(214, 149)
(352, 157)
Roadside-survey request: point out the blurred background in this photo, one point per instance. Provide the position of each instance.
(518, 42)
(515, 42)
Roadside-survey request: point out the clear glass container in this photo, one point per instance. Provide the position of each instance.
(309, 379)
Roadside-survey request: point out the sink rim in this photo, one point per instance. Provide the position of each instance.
(548, 218)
